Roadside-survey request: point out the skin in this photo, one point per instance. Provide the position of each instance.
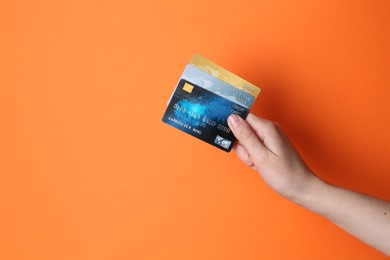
(264, 147)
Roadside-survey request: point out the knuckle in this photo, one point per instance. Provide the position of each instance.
(270, 127)
(249, 161)
(245, 134)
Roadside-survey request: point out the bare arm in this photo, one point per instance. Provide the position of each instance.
(263, 146)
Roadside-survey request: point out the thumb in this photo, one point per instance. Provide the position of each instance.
(246, 136)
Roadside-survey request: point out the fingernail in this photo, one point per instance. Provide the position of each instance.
(234, 119)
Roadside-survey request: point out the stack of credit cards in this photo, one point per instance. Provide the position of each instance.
(205, 96)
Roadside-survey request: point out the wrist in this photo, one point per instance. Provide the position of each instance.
(310, 191)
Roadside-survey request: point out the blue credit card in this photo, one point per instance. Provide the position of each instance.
(205, 80)
(203, 114)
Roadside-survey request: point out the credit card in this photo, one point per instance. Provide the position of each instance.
(219, 87)
(203, 114)
(225, 75)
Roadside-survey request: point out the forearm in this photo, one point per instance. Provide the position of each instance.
(362, 216)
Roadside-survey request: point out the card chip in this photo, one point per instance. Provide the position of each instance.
(188, 87)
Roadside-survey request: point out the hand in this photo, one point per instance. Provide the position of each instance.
(264, 146)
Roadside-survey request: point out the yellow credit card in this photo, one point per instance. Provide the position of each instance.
(225, 75)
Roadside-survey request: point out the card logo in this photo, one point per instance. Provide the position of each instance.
(225, 143)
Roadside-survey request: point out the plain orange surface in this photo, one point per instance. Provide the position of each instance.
(89, 171)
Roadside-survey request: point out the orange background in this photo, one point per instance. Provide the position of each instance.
(89, 171)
